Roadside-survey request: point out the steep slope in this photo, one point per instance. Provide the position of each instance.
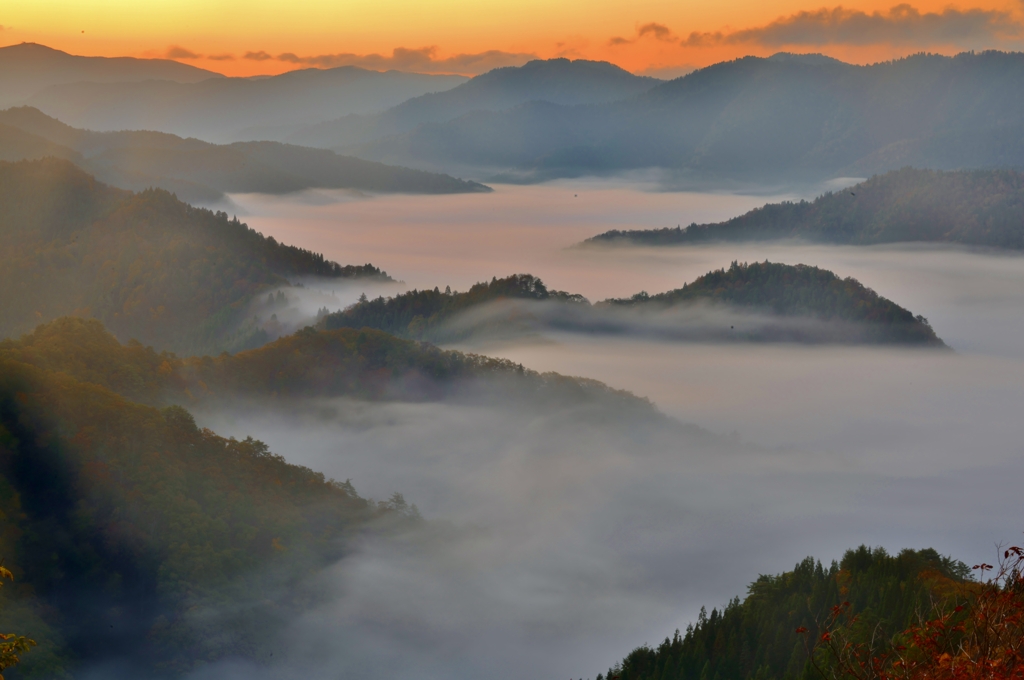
(977, 207)
(559, 81)
(28, 68)
(754, 119)
(787, 290)
(148, 265)
(236, 109)
(200, 171)
(140, 539)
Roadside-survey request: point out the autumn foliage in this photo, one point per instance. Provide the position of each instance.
(974, 631)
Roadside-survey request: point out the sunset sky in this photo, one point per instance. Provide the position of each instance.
(248, 37)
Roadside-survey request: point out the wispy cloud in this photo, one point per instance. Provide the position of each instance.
(654, 30)
(900, 25)
(178, 52)
(422, 60)
(221, 57)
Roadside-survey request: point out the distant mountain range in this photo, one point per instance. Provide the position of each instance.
(29, 68)
(202, 172)
(788, 117)
(235, 109)
(970, 207)
(557, 81)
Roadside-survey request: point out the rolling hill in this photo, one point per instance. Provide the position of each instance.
(759, 302)
(148, 265)
(198, 171)
(977, 208)
(798, 291)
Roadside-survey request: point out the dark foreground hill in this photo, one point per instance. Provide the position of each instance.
(797, 291)
(136, 536)
(763, 635)
(970, 207)
(148, 265)
(760, 302)
(200, 171)
(558, 81)
(785, 118)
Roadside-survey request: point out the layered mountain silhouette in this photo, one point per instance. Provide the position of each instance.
(28, 68)
(784, 117)
(559, 81)
(236, 109)
(198, 171)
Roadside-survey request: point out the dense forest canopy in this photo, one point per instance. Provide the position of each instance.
(970, 207)
(757, 637)
(421, 313)
(148, 265)
(797, 290)
(201, 171)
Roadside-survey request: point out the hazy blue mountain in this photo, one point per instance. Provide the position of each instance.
(27, 68)
(558, 81)
(972, 207)
(236, 109)
(200, 171)
(785, 117)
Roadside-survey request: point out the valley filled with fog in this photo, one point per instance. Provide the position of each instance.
(563, 537)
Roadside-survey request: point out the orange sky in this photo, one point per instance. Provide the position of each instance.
(639, 35)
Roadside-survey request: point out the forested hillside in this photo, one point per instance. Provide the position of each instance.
(134, 535)
(149, 266)
(971, 207)
(132, 529)
(200, 171)
(799, 290)
(364, 364)
(421, 313)
(763, 302)
(759, 637)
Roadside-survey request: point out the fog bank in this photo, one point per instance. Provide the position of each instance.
(560, 541)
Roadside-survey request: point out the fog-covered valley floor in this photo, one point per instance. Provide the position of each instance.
(563, 538)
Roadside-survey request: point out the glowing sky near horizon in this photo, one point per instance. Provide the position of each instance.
(470, 37)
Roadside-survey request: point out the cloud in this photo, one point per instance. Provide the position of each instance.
(221, 57)
(422, 59)
(901, 25)
(178, 52)
(657, 31)
(653, 29)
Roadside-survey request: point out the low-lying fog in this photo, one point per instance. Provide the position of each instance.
(561, 542)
